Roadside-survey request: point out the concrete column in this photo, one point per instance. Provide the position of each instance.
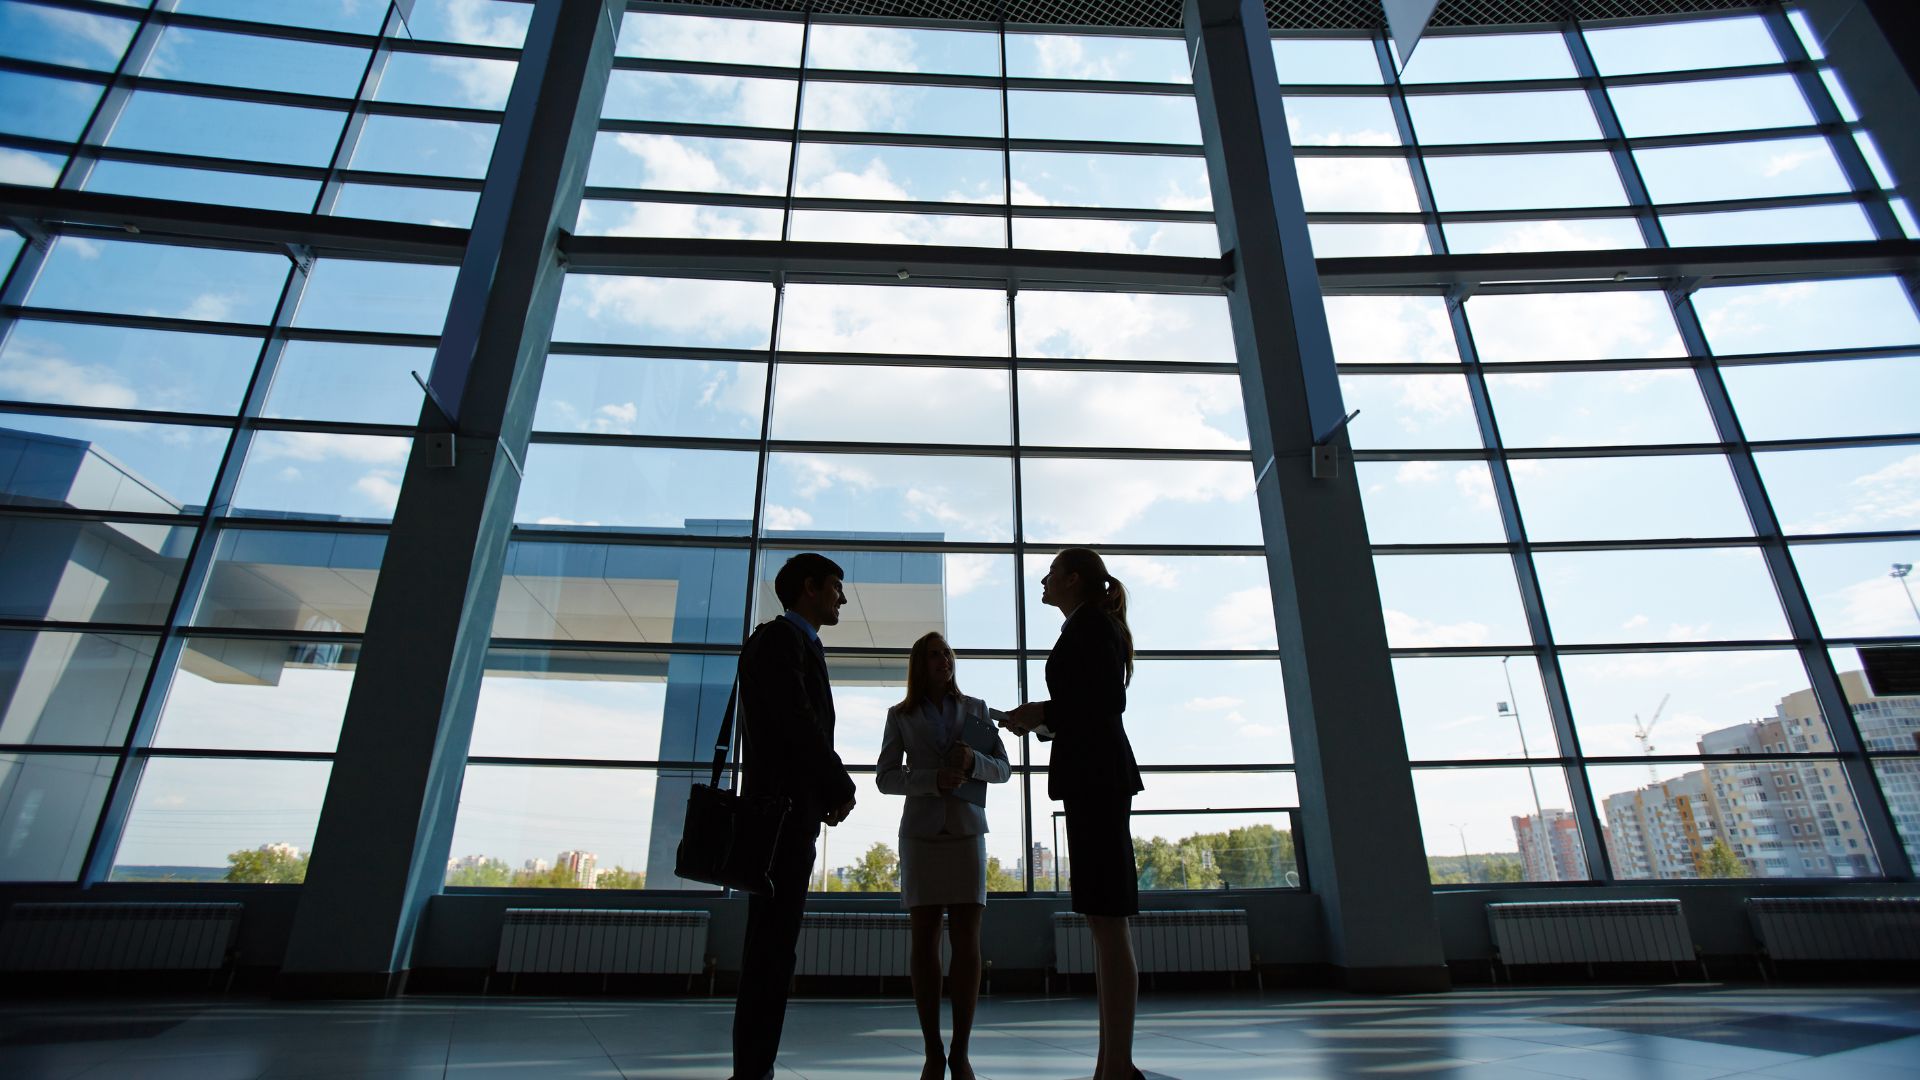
(381, 847)
(1365, 859)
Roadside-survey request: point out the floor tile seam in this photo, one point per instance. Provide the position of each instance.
(1202, 1042)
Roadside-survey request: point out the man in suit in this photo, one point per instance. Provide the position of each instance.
(786, 710)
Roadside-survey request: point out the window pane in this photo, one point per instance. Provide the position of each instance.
(1852, 588)
(915, 110)
(1680, 699)
(1846, 397)
(544, 827)
(1429, 502)
(1162, 411)
(249, 694)
(90, 571)
(1334, 240)
(665, 311)
(1085, 500)
(1628, 498)
(895, 597)
(874, 828)
(688, 163)
(614, 706)
(1206, 712)
(901, 48)
(864, 227)
(69, 38)
(421, 206)
(1390, 330)
(1410, 412)
(1720, 105)
(922, 173)
(1325, 60)
(706, 492)
(621, 592)
(1573, 326)
(1123, 326)
(350, 17)
(49, 809)
(316, 474)
(1497, 825)
(1740, 170)
(1462, 58)
(650, 396)
(1676, 595)
(204, 186)
(400, 298)
(1900, 784)
(222, 819)
(1115, 181)
(31, 170)
(892, 496)
(1070, 56)
(1450, 600)
(1332, 184)
(405, 144)
(608, 218)
(1524, 181)
(711, 40)
(291, 581)
(154, 279)
(897, 404)
(1337, 121)
(44, 108)
(665, 97)
(1177, 852)
(1153, 118)
(1479, 118)
(894, 319)
(1173, 602)
(1682, 46)
(70, 689)
(1600, 408)
(1858, 313)
(89, 464)
(499, 23)
(243, 130)
(1868, 489)
(330, 380)
(1473, 707)
(457, 81)
(256, 62)
(1792, 225)
(1591, 234)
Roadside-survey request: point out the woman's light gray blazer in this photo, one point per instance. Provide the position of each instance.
(909, 765)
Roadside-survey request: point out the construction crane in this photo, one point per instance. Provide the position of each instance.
(1642, 729)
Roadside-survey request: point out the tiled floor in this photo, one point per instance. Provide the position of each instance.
(1587, 1033)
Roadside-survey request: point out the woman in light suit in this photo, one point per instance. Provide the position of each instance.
(941, 751)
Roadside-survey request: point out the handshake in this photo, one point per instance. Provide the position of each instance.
(1023, 719)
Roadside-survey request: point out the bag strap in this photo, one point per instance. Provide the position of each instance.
(725, 740)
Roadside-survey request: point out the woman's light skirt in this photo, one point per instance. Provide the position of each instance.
(943, 869)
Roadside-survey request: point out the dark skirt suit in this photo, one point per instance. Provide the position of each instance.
(1092, 769)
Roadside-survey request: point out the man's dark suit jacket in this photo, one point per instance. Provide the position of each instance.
(1086, 678)
(786, 712)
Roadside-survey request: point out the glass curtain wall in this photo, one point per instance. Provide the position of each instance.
(201, 442)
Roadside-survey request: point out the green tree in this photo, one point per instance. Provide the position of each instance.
(877, 871)
(1000, 880)
(270, 864)
(621, 878)
(489, 874)
(1502, 868)
(1719, 861)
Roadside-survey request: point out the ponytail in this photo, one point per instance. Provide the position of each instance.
(1104, 589)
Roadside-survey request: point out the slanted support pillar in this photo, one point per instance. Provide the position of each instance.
(381, 847)
(1875, 46)
(1365, 858)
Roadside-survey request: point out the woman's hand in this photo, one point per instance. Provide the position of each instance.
(948, 779)
(1026, 717)
(960, 757)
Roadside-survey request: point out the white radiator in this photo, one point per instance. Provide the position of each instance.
(1206, 940)
(851, 943)
(123, 936)
(1838, 927)
(1591, 932)
(602, 941)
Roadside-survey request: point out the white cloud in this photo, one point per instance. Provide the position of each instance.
(212, 307)
(380, 488)
(1243, 620)
(108, 35)
(28, 170)
(39, 377)
(1390, 329)
(1143, 571)
(1779, 164)
(1059, 57)
(1408, 631)
(1475, 484)
(1886, 498)
(1354, 183)
(862, 48)
(484, 84)
(1873, 607)
(967, 572)
(1573, 326)
(785, 518)
(1417, 472)
(321, 446)
(1163, 410)
(682, 309)
(1087, 497)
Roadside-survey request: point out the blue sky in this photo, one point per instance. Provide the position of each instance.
(1677, 597)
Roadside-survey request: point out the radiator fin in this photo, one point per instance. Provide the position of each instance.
(602, 941)
(1591, 932)
(1838, 927)
(859, 943)
(1163, 941)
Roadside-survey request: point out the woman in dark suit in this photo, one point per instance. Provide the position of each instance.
(1094, 774)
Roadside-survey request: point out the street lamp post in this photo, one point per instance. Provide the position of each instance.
(1464, 853)
(1899, 574)
(1512, 706)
